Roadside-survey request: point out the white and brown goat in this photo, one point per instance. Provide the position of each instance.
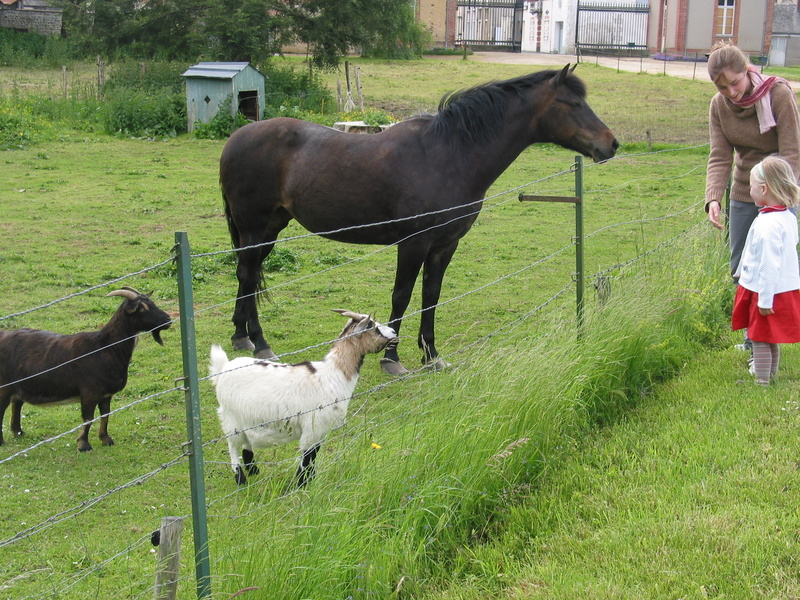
(264, 403)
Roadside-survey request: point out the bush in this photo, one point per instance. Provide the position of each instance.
(138, 113)
(29, 49)
(222, 124)
(17, 128)
(301, 89)
(147, 76)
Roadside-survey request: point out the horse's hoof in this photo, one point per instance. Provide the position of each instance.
(437, 364)
(266, 354)
(392, 367)
(242, 343)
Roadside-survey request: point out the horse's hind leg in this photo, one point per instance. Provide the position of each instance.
(248, 334)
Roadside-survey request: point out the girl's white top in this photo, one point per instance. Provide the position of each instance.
(769, 260)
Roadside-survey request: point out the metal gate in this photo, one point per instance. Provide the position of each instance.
(602, 27)
(493, 24)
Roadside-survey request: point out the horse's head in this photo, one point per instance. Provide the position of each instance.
(565, 118)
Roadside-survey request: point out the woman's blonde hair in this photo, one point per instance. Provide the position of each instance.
(777, 174)
(726, 56)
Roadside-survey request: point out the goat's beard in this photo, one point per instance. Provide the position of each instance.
(157, 334)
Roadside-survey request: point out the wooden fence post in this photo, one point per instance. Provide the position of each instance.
(169, 558)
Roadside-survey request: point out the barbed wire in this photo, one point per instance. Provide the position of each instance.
(57, 437)
(74, 511)
(86, 291)
(360, 398)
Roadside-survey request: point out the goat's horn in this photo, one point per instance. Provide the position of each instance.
(348, 314)
(125, 292)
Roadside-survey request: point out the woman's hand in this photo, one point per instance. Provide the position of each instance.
(766, 311)
(713, 214)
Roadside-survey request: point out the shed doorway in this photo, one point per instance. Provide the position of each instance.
(248, 104)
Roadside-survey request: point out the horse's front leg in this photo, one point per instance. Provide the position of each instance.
(409, 262)
(435, 266)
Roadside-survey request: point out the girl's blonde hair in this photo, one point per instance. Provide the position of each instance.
(726, 56)
(777, 174)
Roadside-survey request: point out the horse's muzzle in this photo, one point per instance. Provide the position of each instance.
(602, 154)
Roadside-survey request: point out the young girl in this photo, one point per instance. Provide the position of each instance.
(767, 299)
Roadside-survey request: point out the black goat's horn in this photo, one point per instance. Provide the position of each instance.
(125, 292)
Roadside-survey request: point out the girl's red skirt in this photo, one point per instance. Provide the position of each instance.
(781, 327)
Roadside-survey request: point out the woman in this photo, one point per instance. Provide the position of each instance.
(750, 118)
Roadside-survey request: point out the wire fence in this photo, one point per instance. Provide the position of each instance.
(54, 553)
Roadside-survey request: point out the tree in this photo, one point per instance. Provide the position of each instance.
(243, 30)
(332, 28)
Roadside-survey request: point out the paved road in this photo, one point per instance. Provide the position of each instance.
(676, 68)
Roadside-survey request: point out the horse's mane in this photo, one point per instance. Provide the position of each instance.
(475, 114)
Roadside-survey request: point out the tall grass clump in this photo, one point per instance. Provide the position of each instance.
(141, 113)
(19, 127)
(145, 99)
(30, 49)
(430, 469)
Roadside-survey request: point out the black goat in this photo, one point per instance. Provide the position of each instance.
(42, 367)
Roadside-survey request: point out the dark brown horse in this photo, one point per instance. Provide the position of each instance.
(419, 185)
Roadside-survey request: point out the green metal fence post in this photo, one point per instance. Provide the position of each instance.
(192, 398)
(579, 241)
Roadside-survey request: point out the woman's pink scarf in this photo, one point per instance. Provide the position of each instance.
(761, 97)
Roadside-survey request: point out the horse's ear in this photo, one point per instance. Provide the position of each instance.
(572, 70)
(561, 77)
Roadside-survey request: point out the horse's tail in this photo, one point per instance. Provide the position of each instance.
(236, 241)
(232, 229)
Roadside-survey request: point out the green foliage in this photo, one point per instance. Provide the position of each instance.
(137, 113)
(441, 51)
(249, 30)
(81, 115)
(222, 124)
(17, 126)
(29, 49)
(394, 34)
(151, 76)
(20, 45)
(300, 88)
(331, 28)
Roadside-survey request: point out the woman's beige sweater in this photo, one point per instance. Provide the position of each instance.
(736, 139)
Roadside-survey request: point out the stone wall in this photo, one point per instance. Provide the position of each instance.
(46, 22)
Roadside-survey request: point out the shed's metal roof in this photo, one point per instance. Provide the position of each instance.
(216, 70)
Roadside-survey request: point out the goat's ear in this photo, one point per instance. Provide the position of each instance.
(134, 306)
(363, 325)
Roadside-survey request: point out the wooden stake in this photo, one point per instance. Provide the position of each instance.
(359, 90)
(169, 558)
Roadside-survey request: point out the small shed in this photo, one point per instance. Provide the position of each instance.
(209, 84)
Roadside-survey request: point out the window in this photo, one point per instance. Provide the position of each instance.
(723, 25)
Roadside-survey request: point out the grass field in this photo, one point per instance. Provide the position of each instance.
(492, 479)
